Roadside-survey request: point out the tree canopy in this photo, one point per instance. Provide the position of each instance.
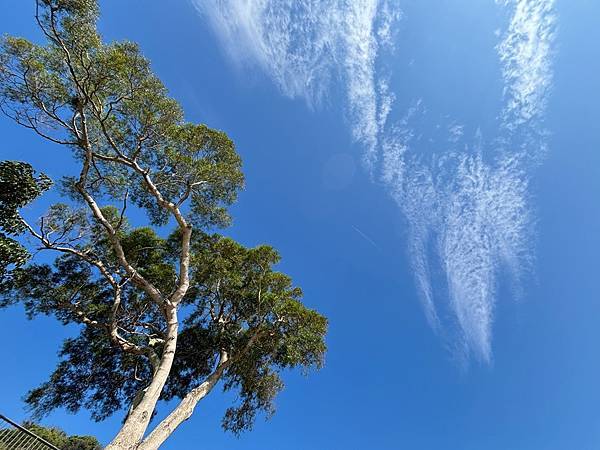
(162, 314)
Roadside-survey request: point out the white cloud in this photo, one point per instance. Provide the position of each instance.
(294, 42)
(456, 132)
(304, 45)
(468, 216)
(468, 219)
(485, 227)
(526, 55)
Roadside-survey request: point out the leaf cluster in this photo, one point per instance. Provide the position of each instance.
(19, 185)
(237, 304)
(241, 305)
(60, 439)
(85, 94)
(54, 435)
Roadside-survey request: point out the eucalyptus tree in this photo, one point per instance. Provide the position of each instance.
(166, 311)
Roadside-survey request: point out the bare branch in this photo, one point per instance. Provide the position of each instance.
(72, 251)
(138, 279)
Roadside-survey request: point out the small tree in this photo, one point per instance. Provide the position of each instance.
(53, 435)
(162, 316)
(60, 439)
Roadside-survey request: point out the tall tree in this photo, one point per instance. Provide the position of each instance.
(161, 316)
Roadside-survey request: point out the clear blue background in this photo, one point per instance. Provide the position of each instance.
(389, 382)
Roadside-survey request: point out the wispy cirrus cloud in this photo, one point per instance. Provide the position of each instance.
(526, 52)
(308, 46)
(467, 210)
(468, 219)
(296, 43)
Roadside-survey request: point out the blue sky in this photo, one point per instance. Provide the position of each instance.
(453, 245)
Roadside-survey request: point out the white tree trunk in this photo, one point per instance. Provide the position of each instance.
(184, 410)
(134, 428)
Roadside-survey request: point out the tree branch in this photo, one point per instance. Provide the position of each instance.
(72, 251)
(139, 280)
(186, 407)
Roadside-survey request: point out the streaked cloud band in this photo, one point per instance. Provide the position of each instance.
(468, 211)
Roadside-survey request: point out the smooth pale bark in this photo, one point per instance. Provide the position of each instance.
(184, 410)
(134, 428)
(186, 407)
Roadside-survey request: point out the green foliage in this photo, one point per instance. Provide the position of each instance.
(241, 318)
(60, 439)
(238, 297)
(52, 435)
(128, 115)
(92, 374)
(235, 295)
(19, 185)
